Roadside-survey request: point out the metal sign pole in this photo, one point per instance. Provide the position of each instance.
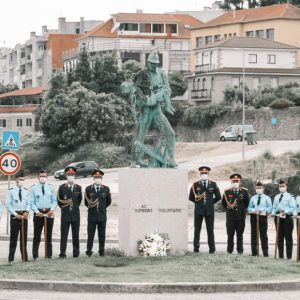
(7, 219)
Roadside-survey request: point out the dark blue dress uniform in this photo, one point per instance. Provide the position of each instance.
(97, 199)
(18, 203)
(236, 202)
(69, 200)
(204, 193)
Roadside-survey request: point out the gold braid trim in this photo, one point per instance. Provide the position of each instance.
(65, 203)
(201, 197)
(91, 203)
(230, 205)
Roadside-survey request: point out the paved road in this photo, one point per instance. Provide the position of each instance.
(32, 295)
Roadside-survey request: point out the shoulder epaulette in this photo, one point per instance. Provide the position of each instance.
(228, 189)
(242, 188)
(211, 181)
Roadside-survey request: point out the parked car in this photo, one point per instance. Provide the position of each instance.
(235, 132)
(84, 169)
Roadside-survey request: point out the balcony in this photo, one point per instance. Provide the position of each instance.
(205, 68)
(28, 75)
(40, 54)
(23, 60)
(201, 95)
(29, 57)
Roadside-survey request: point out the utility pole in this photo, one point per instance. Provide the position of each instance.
(243, 121)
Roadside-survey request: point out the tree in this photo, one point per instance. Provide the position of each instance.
(107, 77)
(232, 4)
(178, 84)
(79, 115)
(82, 71)
(272, 2)
(5, 88)
(57, 84)
(130, 68)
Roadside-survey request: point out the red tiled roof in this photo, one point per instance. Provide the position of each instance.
(105, 29)
(279, 11)
(18, 109)
(23, 92)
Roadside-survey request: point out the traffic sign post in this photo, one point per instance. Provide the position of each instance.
(10, 164)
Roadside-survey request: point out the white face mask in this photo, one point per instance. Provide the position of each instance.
(20, 183)
(97, 181)
(70, 179)
(282, 189)
(204, 176)
(259, 191)
(235, 185)
(42, 180)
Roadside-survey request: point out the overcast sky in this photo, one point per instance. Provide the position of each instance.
(19, 17)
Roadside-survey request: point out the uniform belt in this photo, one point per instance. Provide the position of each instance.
(21, 212)
(44, 210)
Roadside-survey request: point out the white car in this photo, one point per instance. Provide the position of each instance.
(235, 132)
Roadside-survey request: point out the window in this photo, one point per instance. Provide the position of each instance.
(274, 82)
(203, 83)
(256, 82)
(208, 39)
(29, 122)
(270, 34)
(250, 33)
(234, 34)
(129, 26)
(217, 37)
(158, 28)
(199, 41)
(212, 85)
(229, 35)
(19, 122)
(145, 27)
(225, 36)
(260, 33)
(271, 59)
(172, 28)
(77, 30)
(252, 58)
(2, 123)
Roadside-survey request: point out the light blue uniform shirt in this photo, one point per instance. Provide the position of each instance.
(1, 209)
(13, 202)
(297, 208)
(287, 204)
(40, 201)
(265, 204)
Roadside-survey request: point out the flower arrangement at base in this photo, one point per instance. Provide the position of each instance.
(154, 245)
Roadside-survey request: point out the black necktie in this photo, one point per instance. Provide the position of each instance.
(204, 185)
(43, 190)
(70, 189)
(258, 202)
(98, 189)
(20, 194)
(280, 198)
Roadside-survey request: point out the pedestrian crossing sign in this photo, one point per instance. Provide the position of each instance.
(11, 140)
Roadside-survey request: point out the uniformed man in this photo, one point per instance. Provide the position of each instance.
(43, 204)
(204, 193)
(235, 200)
(284, 207)
(69, 197)
(97, 199)
(260, 206)
(297, 216)
(18, 206)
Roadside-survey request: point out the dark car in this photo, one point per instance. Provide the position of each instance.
(84, 169)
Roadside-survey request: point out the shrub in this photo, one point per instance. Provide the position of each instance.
(265, 100)
(281, 103)
(204, 116)
(268, 155)
(178, 115)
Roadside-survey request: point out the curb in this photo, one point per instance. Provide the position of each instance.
(148, 288)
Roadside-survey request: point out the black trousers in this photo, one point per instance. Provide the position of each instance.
(238, 227)
(209, 222)
(263, 228)
(15, 228)
(38, 224)
(64, 232)
(101, 227)
(285, 232)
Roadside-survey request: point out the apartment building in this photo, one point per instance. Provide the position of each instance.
(135, 35)
(31, 64)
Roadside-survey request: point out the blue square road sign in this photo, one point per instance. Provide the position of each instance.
(11, 140)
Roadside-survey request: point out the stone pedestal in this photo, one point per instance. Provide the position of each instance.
(153, 201)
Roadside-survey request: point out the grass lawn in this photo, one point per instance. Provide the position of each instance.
(189, 268)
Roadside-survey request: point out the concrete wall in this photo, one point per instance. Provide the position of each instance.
(288, 127)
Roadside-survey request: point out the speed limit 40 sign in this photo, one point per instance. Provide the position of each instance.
(10, 163)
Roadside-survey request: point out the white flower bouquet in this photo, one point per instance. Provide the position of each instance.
(154, 245)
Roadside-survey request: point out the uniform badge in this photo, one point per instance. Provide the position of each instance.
(38, 196)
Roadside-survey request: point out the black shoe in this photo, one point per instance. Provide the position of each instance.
(35, 258)
(229, 252)
(89, 253)
(212, 251)
(62, 256)
(241, 253)
(10, 262)
(75, 256)
(266, 255)
(196, 250)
